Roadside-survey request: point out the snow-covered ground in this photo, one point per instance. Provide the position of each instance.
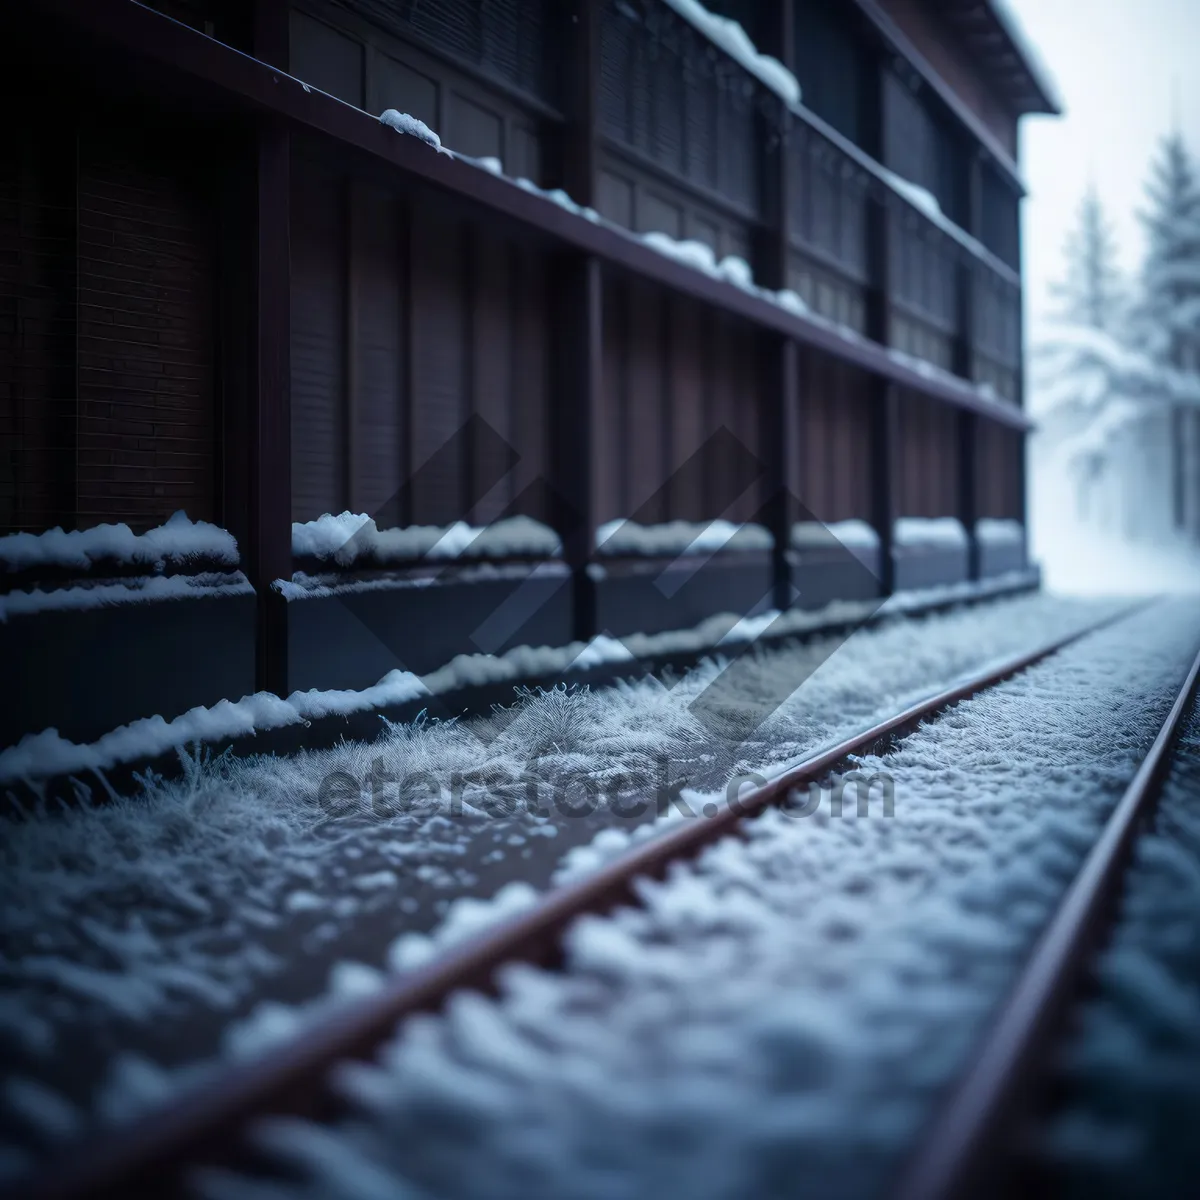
(1086, 553)
(1132, 1071)
(1078, 559)
(155, 923)
(778, 1016)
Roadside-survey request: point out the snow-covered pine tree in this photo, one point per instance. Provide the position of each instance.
(1167, 318)
(1092, 292)
(1075, 389)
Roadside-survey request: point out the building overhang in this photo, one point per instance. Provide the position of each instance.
(993, 36)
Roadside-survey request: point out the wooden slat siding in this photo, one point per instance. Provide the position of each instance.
(585, 98)
(145, 439)
(351, 436)
(37, 324)
(611, 453)
(722, 405)
(645, 449)
(886, 469)
(269, 552)
(777, 439)
(812, 476)
(967, 485)
(378, 353)
(511, 42)
(492, 352)
(534, 326)
(686, 406)
(929, 459)
(327, 59)
(318, 371)
(439, 332)
(748, 384)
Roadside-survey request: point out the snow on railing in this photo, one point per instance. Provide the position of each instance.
(413, 127)
(991, 531)
(815, 535)
(732, 38)
(735, 41)
(941, 532)
(348, 537)
(177, 541)
(679, 538)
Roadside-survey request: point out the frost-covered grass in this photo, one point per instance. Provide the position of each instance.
(161, 923)
(1131, 1074)
(777, 1018)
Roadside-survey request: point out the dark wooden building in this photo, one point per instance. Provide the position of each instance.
(226, 287)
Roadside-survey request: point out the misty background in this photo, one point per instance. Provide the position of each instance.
(1112, 269)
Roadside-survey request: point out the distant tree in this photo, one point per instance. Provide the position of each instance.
(1092, 292)
(1167, 316)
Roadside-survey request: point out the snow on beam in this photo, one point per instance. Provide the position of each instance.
(350, 537)
(179, 540)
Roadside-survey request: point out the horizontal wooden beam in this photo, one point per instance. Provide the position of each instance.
(128, 27)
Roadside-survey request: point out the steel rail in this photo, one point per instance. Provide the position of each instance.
(204, 1124)
(963, 1150)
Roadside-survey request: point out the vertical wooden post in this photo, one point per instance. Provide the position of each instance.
(270, 391)
(968, 492)
(779, 433)
(580, 132)
(885, 445)
(885, 410)
(579, 303)
(350, 334)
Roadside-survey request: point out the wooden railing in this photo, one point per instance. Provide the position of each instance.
(673, 99)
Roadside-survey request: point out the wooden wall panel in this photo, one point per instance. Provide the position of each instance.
(687, 371)
(326, 58)
(951, 60)
(610, 463)
(531, 389)
(318, 345)
(747, 383)
(440, 399)
(145, 335)
(835, 435)
(816, 425)
(929, 455)
(379, 349)
(999, 479)
(37, 325)
(492, 360)
(646, 448)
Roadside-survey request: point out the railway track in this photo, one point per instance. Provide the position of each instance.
(206, 1126)
(964, 1151)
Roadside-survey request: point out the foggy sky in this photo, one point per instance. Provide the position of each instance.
(1125, 70)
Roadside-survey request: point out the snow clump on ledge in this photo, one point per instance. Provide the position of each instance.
(406, 123)
(679, 537)
(992, 532)
(349, 537)
(930, 531)
(733, 39)
(178, 540)
(140, 590)
(700, 256)
(815, 535)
